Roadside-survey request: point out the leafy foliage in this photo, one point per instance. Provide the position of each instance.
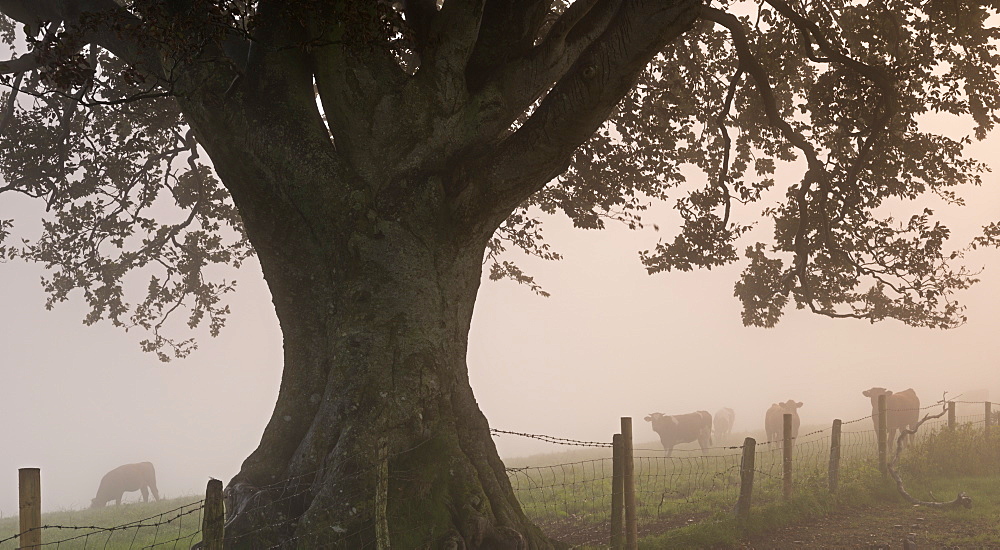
(126, 190)
(839, 91)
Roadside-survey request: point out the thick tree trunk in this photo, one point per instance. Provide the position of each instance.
(376, 425)
(376, 440)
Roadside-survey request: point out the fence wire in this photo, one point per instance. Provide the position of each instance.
(173, 529)
(571, 502)
(699, 485)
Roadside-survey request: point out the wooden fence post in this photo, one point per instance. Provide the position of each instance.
(989, 418)
(617, 493)
(628, 481)
(951, 415)
(30, 492)
(835, 456)
(883, 435)
(786, 451)
(746, 479)
(214, 521)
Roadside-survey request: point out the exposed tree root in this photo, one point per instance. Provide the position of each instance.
(962, 499)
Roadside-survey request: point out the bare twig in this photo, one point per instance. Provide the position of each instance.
(962, 499)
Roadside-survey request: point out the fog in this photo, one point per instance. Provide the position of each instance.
(611, 341)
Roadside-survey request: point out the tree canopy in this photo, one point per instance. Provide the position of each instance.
(376, 155)
(91, 126)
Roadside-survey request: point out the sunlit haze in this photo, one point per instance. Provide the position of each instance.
(611, 341)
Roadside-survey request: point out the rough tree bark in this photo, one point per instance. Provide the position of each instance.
(374, 294)
(372, 148)
(374, 264)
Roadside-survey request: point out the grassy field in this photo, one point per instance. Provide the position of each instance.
(688, 500)
(684, 501)
(569, 493)
(167, 524)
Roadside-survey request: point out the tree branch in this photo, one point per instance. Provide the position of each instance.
(508, 31)
(522, 80)
(963, 500)
(21, 65)
(8, 110)
(574, 109)
(751, 65)
(355, 72)
(106, 17)
(451, 40)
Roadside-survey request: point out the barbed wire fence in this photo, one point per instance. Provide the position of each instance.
(571, 502)
(179, 527)
(701, 486)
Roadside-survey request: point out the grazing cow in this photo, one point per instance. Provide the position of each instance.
(774, 422)
(724, 420)
(682, 428)
(902, 409)
(130, 477)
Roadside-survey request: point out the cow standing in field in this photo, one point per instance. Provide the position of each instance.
(774, 421)
(902, 410)
(130, 477)
(723, 424)
(682, 428)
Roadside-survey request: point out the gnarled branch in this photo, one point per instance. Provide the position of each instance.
(963, 500)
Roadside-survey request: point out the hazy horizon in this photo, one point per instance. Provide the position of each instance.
(610, 342)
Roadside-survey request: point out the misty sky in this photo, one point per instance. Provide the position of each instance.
(610, 342)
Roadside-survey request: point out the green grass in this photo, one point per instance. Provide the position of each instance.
(979, 527)
(687, 501)
(164, 524)
(769, 511)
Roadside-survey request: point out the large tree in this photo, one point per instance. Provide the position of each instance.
(376, 155)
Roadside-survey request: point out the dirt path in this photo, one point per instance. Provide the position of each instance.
(886, 527)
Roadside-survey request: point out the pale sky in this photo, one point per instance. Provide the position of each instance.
(610, 342)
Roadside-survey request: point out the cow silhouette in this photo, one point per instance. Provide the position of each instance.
(902, 410)
(129, 477)
(774, 420)
(682, 428)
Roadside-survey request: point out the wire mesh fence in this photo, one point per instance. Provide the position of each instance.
(571, 501)
(176, 528)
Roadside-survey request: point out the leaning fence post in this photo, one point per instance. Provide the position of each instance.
(617, 496)
(951, 415)
(835, 456)
(989, 418)
(786, 452)
(30, 509)
(628, 482)
(883, 435)
(214, 521)
(746, 479)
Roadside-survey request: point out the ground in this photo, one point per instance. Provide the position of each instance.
(885, 526)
